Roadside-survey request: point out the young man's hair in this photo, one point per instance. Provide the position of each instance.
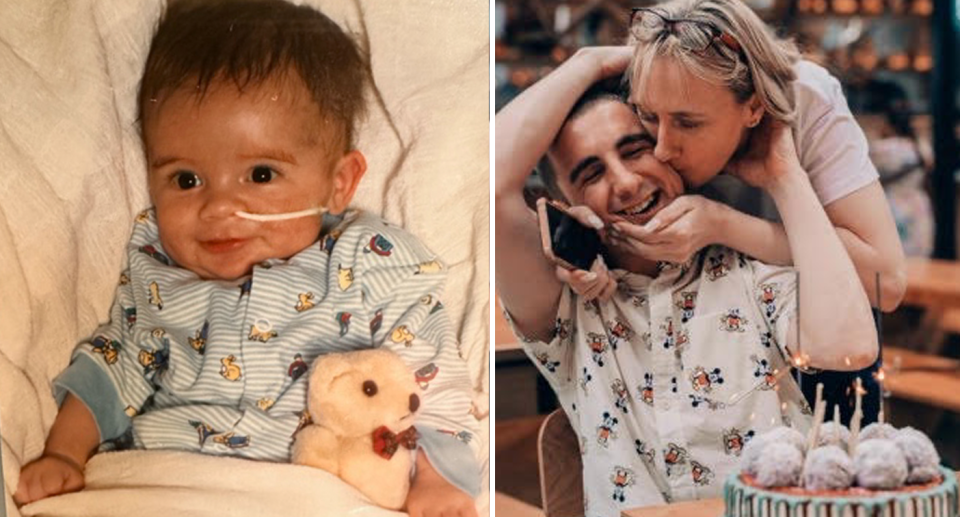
(613, 89)
(248, 42)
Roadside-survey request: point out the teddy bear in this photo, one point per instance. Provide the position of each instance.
(362, 405)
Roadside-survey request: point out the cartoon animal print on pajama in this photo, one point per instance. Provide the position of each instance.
(621, 478)
(687, 304)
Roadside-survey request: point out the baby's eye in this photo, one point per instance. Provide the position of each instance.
(187, 180)
(686, 124)
(262, 174)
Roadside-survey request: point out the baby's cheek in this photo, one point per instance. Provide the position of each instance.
(291, 237)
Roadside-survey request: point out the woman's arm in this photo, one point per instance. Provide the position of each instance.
(864, 224)
(693, 222)
(525, 128)
(866, 228)
(837, 326)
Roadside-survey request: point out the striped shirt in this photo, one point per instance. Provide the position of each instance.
(219, 366)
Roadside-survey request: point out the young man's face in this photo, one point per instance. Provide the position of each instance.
(264, 151)
(604, 160)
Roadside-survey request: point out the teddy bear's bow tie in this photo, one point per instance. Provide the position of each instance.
(386, 442)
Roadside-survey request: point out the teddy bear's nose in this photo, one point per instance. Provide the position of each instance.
(414, 402)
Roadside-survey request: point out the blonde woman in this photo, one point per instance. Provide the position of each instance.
(722, 94)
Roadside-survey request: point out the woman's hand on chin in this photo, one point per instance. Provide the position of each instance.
(678, 231)
(771, 153)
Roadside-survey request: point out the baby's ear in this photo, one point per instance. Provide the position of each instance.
(346, 176)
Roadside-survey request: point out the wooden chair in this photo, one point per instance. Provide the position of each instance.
(508, 506)
(561, 469)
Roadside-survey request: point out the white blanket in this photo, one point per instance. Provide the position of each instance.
(73, 177)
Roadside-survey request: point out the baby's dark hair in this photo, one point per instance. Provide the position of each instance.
(614, 89)
(249, 42)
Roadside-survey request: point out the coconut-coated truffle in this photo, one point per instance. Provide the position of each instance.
(879, 464)
(877, 430)
(833, 434)
(751, 453)
(922, 458)
(827, 468)
(780, 464)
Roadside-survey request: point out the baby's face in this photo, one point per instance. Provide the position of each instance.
(262, 152)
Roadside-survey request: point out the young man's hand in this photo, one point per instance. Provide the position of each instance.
(596, 284)
(47, 476)
(432, 496)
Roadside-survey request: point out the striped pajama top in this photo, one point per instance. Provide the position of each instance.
(219, 367)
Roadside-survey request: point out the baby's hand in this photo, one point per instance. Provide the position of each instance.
(432, 496)
(47, 476)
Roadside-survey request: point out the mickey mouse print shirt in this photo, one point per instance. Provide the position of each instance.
(667, 381)
(220, 367)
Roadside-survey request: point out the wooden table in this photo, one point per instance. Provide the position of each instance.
(923, 378)
(705, 508)
(507, 506)
(932, 282)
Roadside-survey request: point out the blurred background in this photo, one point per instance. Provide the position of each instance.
(898, 62)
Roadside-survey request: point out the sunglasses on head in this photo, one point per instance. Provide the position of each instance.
(652, 19)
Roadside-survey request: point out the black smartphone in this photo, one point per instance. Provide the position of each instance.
(565, 240)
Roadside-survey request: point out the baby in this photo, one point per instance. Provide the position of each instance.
(250, 265)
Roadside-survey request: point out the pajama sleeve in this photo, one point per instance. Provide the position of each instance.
(773, 290)
(554, 358)
(105, 372)
(402, 295)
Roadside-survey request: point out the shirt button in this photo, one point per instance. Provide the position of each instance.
(263, 325)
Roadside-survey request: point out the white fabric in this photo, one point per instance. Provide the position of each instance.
(74, 178)
(666, 381)
(832, 147)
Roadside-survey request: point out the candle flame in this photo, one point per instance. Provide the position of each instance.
(800, 360)
(880, 375)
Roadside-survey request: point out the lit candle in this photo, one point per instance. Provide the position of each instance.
(880, 375)
(819, 408)
(836, 423)
(855, 420)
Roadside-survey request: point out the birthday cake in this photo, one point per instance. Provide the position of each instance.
(840, 472)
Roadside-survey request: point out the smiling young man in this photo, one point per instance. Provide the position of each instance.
(680, 360)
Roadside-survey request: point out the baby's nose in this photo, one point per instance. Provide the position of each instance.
(414, 402)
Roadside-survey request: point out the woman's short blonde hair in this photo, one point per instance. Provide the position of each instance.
(763, 64)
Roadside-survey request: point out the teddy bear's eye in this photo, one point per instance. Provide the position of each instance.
(369, 388)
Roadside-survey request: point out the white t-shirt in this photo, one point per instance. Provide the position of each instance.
(831, 146)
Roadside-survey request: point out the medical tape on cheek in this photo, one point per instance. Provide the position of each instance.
(280, 217)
